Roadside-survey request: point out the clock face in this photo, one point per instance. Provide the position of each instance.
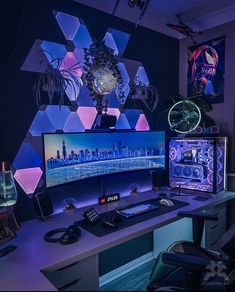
(184, 116)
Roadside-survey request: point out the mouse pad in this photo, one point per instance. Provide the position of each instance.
(99, 229)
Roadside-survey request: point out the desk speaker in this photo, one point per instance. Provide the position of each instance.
(42, 205)
(159, 178)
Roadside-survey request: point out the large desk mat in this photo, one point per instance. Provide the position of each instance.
(99, 229)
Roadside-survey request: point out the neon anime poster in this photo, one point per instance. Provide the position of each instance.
(206, 70)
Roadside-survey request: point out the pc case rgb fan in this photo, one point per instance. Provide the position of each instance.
(184, 116)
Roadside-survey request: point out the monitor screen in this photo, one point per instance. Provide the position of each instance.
(193, 163)
(74, 156)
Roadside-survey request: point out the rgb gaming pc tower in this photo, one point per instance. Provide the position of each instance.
(198, 163)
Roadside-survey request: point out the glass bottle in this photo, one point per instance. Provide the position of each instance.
(8, 193)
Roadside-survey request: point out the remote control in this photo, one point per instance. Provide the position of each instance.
(4, 251)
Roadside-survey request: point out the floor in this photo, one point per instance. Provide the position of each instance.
(135, 280)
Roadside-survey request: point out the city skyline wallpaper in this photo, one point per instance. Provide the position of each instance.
(75, 156)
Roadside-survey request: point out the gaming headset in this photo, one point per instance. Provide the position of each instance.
(70, 235)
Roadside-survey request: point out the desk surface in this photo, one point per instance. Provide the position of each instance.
(21, 270)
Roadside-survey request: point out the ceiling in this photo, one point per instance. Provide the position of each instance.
(198, 14)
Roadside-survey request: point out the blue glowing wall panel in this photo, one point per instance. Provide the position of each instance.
(58, 115)
(41, 124)
(71, 157)
(122, 122)
(53, 51)
(69, 24)
(27, 157)
(197, 163)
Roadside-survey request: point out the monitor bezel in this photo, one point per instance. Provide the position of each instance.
(96, 176)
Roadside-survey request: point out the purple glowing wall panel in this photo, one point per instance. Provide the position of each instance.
(87, 115)
(71, 157)
(197, 163)
(142, 124)
(70, 61)
(114, 112)
(28, 178)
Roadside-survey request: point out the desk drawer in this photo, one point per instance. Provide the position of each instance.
(65, 275)
(87, 283)
(214, 230)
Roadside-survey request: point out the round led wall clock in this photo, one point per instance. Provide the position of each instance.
(184, 116)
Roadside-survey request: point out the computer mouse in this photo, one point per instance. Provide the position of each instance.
(166, 202)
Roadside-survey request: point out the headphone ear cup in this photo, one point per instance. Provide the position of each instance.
(68, 237)
(74, 228)
(71, 235)
(49, 236)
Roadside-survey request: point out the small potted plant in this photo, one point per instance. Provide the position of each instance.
(146, 93)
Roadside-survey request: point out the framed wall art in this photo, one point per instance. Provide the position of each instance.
(206, 70)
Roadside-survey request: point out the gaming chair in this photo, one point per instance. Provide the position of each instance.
(186, 266)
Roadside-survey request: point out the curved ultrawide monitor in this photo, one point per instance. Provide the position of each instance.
(74, 156)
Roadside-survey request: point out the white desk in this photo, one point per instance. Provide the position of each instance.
(21, 269)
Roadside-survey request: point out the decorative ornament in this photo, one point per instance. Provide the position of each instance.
(104, 81)
(184, 116)
(102, 75)
(69, 204)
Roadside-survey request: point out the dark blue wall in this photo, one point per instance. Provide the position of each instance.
(24, 21)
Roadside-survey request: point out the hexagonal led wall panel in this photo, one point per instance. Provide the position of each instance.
(142, 124)
(113, 101)
(82, 37)
(74, 29)
(142, 76)
(87, 115)
(28, 178)
(84, 98)
(27, 157)
(132, 116)
(53, 50)
(109, 42)
(73, 124)
(122, 122)
(117, 40)
(41, 124)
(69, 24)
(57, 115)
(114, 112)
